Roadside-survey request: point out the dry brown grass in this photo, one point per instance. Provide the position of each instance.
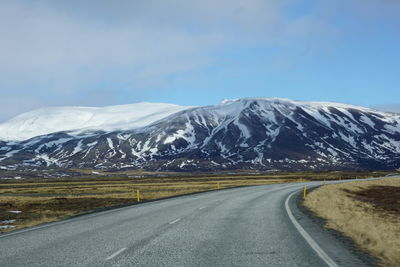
(366, 211)
(44, 201)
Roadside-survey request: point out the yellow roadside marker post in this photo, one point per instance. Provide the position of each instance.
(218, 185)
(305, 192)
(137, 195)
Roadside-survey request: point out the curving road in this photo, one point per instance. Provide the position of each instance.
(248, 226)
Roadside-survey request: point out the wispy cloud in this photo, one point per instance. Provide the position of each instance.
(53, 52)
(43, 44)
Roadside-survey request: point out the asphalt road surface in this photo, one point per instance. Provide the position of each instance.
(248, 226)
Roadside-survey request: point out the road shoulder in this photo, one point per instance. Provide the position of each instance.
(340, 248)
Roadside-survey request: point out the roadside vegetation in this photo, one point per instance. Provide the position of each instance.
(26, 202)
(366, 211)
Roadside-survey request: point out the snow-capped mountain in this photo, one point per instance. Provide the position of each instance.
(251, 133)
(56, 119)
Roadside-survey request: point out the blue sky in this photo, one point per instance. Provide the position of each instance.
(98, 53)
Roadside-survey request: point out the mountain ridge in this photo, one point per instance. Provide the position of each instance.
(249, 133)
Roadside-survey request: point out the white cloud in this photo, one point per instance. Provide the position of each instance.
(61, 38)
(40, 41)
(59, 48)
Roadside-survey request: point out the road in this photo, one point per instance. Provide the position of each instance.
(248, 226)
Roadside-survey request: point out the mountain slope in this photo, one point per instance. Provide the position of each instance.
(252, 133)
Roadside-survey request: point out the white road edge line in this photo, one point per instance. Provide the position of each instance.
(202, 208)
(174, 221)
(116, 254)
(307, 237)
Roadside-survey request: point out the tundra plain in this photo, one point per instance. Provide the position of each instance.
(33, 201)
(366, 211)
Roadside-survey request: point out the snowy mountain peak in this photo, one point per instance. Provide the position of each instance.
(56, 119)
(270, 101)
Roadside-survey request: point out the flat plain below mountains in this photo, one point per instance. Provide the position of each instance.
(28, 201)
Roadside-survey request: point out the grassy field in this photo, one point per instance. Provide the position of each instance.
(34, 201)
(366, 211)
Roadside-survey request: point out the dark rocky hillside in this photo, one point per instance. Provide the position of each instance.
(267, 134)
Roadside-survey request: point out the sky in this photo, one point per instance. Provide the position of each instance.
(98, 53)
